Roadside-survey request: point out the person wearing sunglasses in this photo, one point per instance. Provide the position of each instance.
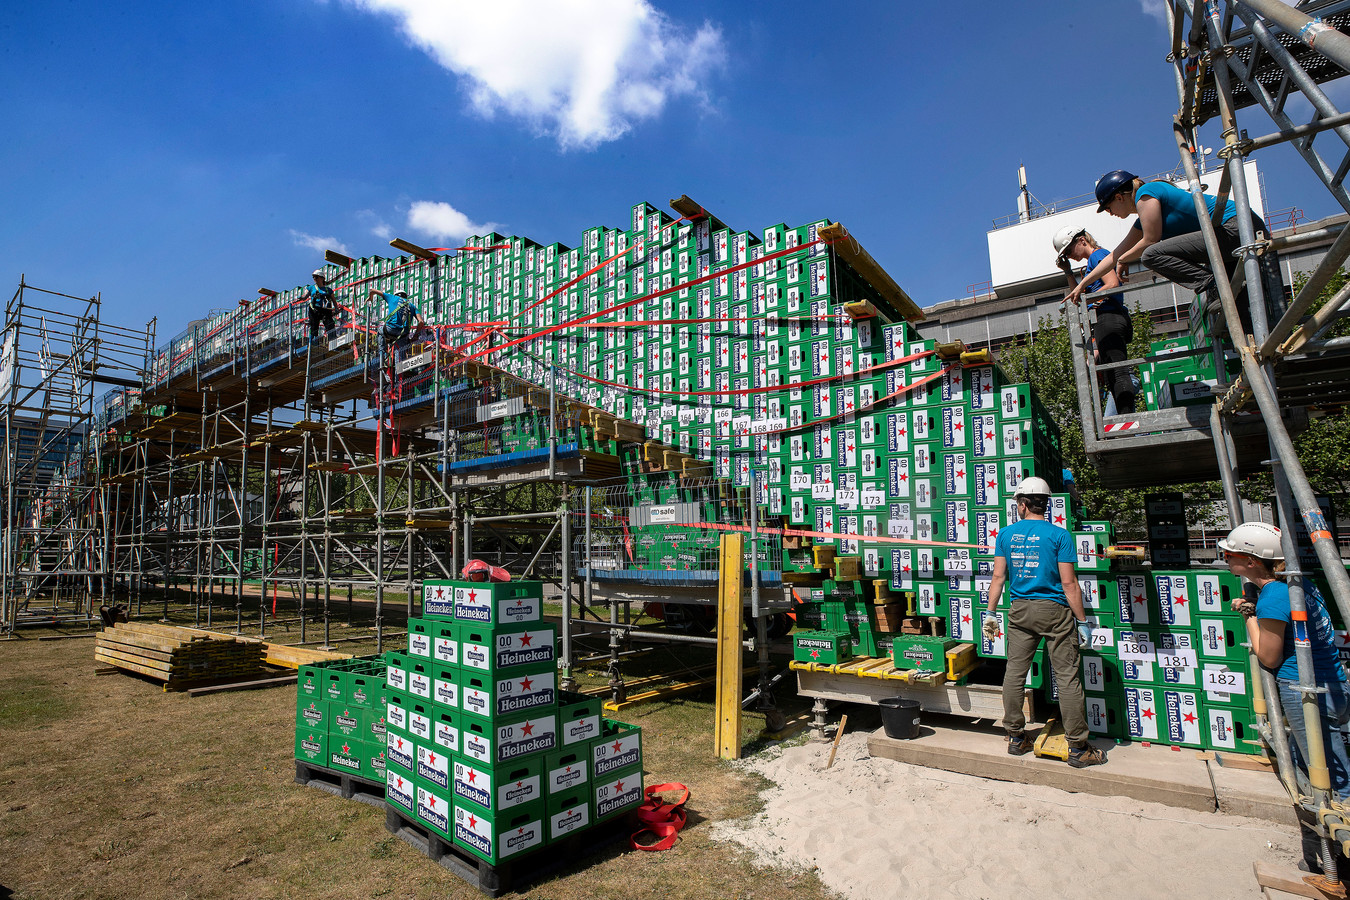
(1113, 330)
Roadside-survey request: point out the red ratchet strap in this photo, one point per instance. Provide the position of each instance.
(828, 535)
(843, 414)
(662, 819)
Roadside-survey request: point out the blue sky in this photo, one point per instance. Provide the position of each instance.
(176, 157)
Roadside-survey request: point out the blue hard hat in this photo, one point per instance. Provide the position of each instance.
(1110, 184)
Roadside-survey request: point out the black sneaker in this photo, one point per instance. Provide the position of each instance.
(1019, 744)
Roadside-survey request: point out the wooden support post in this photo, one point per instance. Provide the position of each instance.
(730, 616)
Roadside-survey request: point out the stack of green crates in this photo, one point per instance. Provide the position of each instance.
(339, 722)
(483, 749)
(1174, 668)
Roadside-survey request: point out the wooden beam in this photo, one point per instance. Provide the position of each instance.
(849, 250)
(693, 211)
(412, 249)
(730, 621)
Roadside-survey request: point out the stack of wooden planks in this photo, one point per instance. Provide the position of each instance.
(179, 657)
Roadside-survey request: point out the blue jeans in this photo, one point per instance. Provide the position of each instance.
(1335, 704)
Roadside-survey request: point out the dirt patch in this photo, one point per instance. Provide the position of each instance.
(111, 788)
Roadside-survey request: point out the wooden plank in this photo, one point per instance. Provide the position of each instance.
(1289, 881)
(160, 676)
(730, 619)
(144, 662)
(242, 685)
(849, 250)
(135, 649)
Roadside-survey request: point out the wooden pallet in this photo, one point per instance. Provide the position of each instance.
(340, 784)
(508, 875)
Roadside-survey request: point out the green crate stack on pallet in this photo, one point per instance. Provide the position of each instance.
(339, 722)
(483, 749)
(1173, 669)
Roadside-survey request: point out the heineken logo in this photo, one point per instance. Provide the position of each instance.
(918, 654)
(815, 643)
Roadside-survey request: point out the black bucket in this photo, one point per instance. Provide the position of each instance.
(900, 718)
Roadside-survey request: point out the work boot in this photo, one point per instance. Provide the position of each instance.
(1019, 744)
(1086, 755)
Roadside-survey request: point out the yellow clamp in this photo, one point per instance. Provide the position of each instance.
(981, 357)
(1125, 551)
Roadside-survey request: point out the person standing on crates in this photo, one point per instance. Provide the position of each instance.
(1113, 330)
(398, 324)
(322, 306)
(1167, 239)
(1036, 559)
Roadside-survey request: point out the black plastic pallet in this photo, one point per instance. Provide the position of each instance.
(341, 784)
(509, 875)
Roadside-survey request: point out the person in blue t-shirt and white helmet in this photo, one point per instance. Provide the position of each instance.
(322, 306)
(1253, 551)
(1113, 329)
(1167, 239)
(1036, 559)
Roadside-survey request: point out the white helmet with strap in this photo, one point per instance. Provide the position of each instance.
(1256, 539)
(1032, 487)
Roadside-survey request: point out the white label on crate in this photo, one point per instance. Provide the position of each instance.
(419, 726)
(1136, 649)
(528, 736)
(396, 678)
(624, 751)
(1223, 681)
(433, 766)
(446, 735)
(1208, 594)
(396, 716)
(662, 515)
(569, 820)
(1102, 638)
(1177, 658)
(1141, 713)
(419, 684)
(447, 650)
(399, 749)
(445, 692)
(822, 490)
(567, 776)
(419, 644)
(1098, 714)
(438, 600)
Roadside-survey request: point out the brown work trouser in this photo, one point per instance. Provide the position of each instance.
(1028, 622)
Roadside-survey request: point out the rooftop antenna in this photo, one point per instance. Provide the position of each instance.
(1023, 197)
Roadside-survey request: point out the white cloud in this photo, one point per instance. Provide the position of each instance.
(377, 225)
(315, 242)
(583, 70)
(1156, 9)
(441, 220)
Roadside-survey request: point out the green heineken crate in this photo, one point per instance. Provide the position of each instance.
(616, 793)
(311, 746)
(578, 718)
(445, 686)
(503, 835)
(347, 755)
(313, 715)
(501, 651)
(1106, 715)
(334, 682)
(827, 647)
(864, 640)
(498, 605)
(438, 599)
(373, 725)
(365, 689)
(346, 720)
(373, 759)
(400, 752)
(420, 637)
(921, 652)
(434, 766)
(444, 642)
(619, 746)
(567, 770)
(1231, 728)
(568, 812)
(1221, 640)
(505, 740)
(523, 690)
(309, 684)
(434, 810)
(494, 789)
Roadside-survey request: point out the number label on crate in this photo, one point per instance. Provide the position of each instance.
(822, 490)
(1136, 649)
(1224, 681)
(1177, 658)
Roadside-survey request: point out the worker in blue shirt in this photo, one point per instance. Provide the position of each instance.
(399, 319)
(322, 306)
(1036, 559)
(1113, 329)
(1167, 239)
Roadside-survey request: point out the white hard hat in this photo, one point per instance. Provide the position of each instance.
(1254, 539)
(1032, 487)
(318, 275)
(1064, 239)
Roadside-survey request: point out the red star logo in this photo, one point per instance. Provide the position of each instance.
(903, 432)
(432, 758)
(431, 799)
(988, 435)
(1139, 598)
(1180, 601)
(905, 569)
(1059, 520)
(904, 477)
(567, 770)
(961, 521)
(1189, 717)
(848, 405)
(440, 592)
(519, 783)
(993, 533)
(849, 448)
(966, 619)
(957, 426)
(473, 776)
(473, 822)
(525, 683)
(815, 654)
(473, 595)
(618, 786)
(525, 639)
(400, 743)
(827, 439)
(1148, 714)
(346, 749)
(960, 473)
(399, 780)
(617, 746)
(993, 483)
(824, 357)
(527, 729)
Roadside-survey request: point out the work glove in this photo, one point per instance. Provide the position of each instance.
(990, 628)
(1084, 635)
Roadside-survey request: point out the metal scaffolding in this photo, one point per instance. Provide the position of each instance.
(55, 351)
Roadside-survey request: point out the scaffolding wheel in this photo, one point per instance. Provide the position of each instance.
(774, 720)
